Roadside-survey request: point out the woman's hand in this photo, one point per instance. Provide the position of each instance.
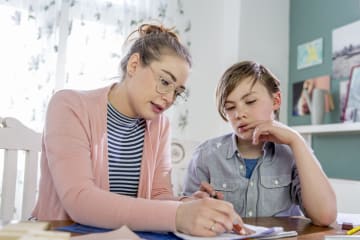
(207, 217)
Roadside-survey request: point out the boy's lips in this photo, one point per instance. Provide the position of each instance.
(243, 125)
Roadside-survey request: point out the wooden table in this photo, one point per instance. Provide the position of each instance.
(305, 229)
(302, 226)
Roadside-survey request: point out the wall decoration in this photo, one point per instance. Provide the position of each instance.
(351, 110)
(177, 152)
(345, 49)
(343, 87)
(300, 102)
(310, 54)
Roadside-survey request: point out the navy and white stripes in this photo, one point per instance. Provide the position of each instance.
(125, 148)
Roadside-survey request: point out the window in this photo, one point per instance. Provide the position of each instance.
(48, 45)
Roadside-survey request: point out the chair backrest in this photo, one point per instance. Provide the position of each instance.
(17, 140)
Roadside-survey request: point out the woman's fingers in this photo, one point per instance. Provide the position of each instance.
(205, 217)
(200, 194)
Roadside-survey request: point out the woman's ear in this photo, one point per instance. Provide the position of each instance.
(133, 63)
(277, 100)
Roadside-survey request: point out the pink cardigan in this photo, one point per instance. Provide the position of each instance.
(74, 168)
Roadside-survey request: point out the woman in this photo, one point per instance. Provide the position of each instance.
(106, 152)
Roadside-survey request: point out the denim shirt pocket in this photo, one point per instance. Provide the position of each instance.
(233, 190)
(275, 194)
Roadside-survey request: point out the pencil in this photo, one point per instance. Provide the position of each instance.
(354, 230)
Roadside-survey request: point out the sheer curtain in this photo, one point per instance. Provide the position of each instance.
(48, 45)
(27, 59)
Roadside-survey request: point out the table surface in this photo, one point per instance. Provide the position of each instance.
(305, 229)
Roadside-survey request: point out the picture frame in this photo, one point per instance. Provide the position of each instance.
(351, 110)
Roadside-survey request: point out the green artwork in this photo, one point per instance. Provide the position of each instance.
(310, 54)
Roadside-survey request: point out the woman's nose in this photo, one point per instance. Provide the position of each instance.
(169, 97)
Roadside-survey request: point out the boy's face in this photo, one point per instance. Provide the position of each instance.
(246, 104)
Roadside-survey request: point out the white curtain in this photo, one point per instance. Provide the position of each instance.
(48, 45)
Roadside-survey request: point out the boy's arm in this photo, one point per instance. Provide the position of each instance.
(318, 197)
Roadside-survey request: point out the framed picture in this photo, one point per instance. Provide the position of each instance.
(351, 110)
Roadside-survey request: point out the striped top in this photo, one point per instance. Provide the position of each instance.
(125, 148)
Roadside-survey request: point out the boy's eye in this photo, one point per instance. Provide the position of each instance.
(250, 102)
(229, 108)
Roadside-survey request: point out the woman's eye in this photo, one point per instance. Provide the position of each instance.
(164, 82)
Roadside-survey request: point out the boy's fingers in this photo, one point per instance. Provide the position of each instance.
(219, 195)
(206, 187)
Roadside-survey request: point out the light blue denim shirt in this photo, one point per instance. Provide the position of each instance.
(272, 190)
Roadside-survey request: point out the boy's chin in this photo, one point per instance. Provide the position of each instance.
(244, 136)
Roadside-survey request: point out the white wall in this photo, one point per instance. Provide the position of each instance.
(347, 195)
(224, 32)
(264, 29)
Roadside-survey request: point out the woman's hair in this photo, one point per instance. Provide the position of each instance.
(236, 74)
(152, 42)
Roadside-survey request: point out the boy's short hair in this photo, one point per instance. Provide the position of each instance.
(236, 74)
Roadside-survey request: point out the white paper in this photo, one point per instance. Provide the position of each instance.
(259, 232)
(349, 218)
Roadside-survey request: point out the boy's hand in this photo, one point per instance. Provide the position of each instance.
(206, 190)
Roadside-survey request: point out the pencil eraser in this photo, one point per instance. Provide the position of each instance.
(346, 226)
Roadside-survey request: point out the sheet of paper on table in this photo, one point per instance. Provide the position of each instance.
(349, 218)
(260, 233)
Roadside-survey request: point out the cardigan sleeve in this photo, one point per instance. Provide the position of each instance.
(162, 188)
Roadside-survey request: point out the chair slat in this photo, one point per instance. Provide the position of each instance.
(16, 137)
(30, 184)
(9, 185)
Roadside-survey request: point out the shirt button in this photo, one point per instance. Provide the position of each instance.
(238, 154)
(224, 185)
(250, 213)
(251, 183)
(241, 167)
(276, 182)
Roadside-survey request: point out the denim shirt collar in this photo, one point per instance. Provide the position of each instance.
(268, 148)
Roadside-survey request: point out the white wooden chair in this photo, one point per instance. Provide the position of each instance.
(14, 139)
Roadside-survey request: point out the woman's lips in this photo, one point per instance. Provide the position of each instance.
(157, 108)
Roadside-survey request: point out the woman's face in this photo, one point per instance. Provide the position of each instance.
(246, 104)
(152, 89)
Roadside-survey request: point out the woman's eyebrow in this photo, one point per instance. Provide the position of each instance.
(170, 74)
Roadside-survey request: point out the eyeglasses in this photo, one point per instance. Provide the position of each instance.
(164, 86)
